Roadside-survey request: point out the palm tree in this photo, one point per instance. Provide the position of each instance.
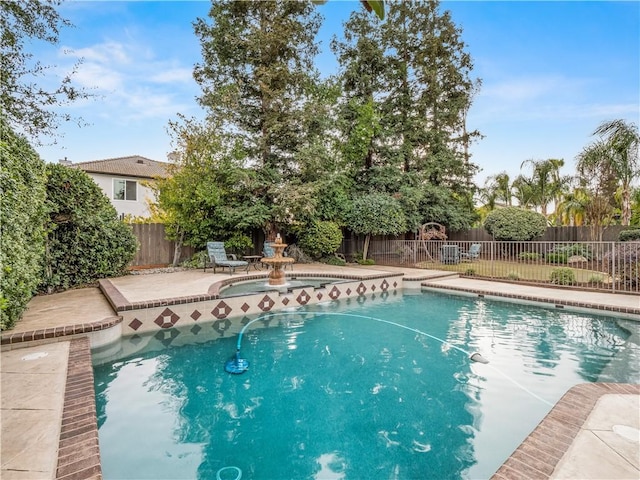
(496, 189)
(523, 191)
(621, 159)
(572, 208)
(546, 182)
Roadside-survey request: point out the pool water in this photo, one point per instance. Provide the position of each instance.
(351, 390)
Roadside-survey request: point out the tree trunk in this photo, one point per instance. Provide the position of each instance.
(366, 247)
(177, 248)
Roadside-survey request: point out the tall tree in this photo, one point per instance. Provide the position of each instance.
(255, 77)
(429, 91)
(24, 101)
(620, 158)
(362, 71)
(256, 70)
(597, 178)
(407, 89)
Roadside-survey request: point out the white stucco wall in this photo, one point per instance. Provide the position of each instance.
(137, 208)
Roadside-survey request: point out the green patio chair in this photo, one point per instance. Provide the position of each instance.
(449, 254)
(218, 257)
(473, 253)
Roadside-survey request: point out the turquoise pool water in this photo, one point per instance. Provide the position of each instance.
(356, 389)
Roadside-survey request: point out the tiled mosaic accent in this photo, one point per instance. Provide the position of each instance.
(143, 317)
(79, 450)
(539, 454)
(528, 298)
(54, 334)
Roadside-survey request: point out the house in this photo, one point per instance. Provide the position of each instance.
(123, 180)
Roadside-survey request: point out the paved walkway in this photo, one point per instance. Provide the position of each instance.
(604, 443)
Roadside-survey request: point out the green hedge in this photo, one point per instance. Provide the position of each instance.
(629, 235)
(320, 239)
(515, 224)
(22, 183)
(86, 241)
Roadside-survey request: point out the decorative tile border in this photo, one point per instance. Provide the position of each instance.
(529, 298)
(539, 454)
(140, 317)
(79, 449)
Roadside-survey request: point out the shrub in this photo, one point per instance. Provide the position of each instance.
(513, 276)
(197, 260)
(22, 183)
(629, 235)
(515, 224)
(321, 238)
(573, 249)
(238, 243)
(626, 257)
(529, 256)
(470, 272)
(333, 260)
(368, 261)
(596, 279)
(556, 257)
(563, 276)
(85, 240)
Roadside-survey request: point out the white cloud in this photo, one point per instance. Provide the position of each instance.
(181, 75)
(108, 52)
(132, 82)
(101, 77)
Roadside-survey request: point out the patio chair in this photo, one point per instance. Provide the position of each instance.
(473, 253)
(449, 254)
(218, 258)
(268, 251)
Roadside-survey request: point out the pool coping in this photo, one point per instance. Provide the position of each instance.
(558, 303)
(79, 447)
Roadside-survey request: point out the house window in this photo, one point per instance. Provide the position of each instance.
(125, 189)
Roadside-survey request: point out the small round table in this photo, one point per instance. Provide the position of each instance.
(254, 260)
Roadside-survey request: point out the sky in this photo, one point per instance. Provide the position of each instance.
(551, 72)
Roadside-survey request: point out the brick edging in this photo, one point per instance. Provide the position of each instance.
(79, 449)
(61, 331)
(539, 454)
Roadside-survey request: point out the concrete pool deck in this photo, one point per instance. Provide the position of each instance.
(48, 412)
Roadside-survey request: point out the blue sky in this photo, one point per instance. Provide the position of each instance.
(551, 73)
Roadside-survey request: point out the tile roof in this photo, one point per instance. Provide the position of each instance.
(133, 166)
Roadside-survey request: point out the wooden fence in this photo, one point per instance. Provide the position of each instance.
(154, 249)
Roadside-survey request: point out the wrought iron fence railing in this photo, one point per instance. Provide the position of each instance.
(608, 266)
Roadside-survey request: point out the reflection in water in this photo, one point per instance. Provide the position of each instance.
(333, 396)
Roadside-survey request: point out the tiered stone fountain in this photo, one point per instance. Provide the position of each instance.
(277, 262)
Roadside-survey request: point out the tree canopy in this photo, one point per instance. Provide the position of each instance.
(304, 149)
(24, 100)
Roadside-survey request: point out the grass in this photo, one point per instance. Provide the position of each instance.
(535, 272)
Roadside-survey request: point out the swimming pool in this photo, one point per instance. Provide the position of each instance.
(349, 389)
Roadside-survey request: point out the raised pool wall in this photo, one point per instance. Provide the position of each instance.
(155, 315)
